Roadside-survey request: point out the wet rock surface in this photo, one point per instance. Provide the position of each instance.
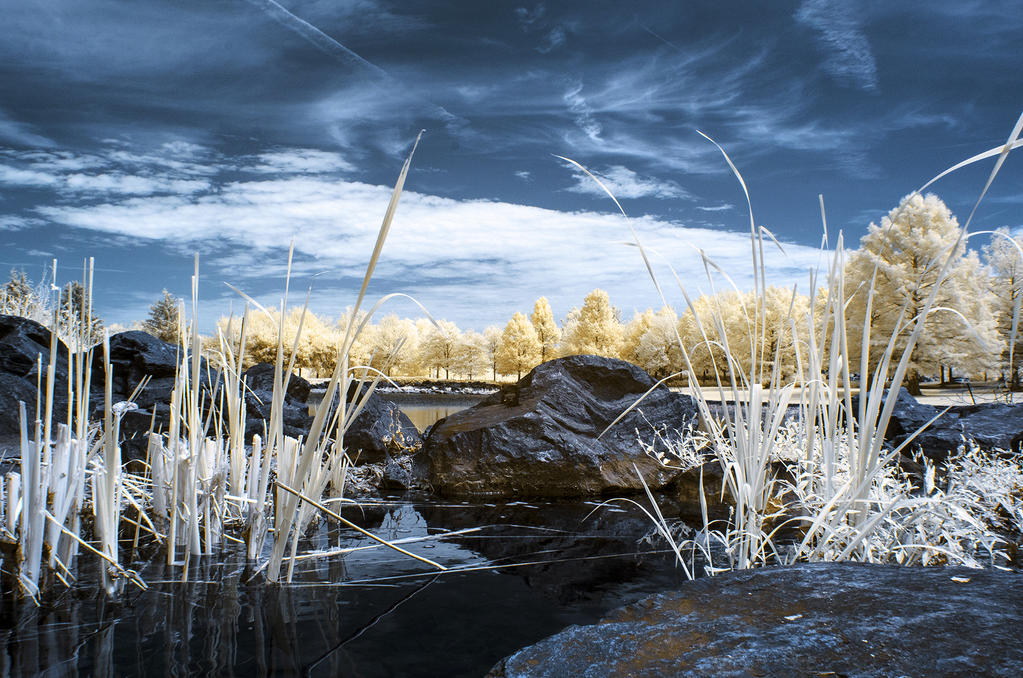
(540, 438)
(811, 619)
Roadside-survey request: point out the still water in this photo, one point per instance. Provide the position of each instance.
(519, 572)
(424, 411)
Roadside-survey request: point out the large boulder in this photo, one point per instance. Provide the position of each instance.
(134, 356)
(540, 438)
(808, 620)
(22, 342)
(260, 378)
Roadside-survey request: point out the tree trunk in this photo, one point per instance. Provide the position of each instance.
(913, 383)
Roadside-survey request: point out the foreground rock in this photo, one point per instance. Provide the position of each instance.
(381, 431)
(809, 620)
(540, 438)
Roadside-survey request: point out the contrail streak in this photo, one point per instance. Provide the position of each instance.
(314, 35)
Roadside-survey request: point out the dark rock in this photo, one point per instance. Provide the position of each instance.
(547, 444)
(22, 342)
(990, 425)
(380, 430)
(15, 390)
(260, 378)
(806, 620)
(135, 355)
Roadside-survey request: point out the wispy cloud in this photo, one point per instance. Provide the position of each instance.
(20, 133)
(625, 183)
(300, 161)
(840, 30)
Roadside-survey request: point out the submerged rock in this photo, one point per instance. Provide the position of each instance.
(811, 619)
(540, 437)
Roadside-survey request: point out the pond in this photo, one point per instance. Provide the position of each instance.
(521, 571)
(423, 409)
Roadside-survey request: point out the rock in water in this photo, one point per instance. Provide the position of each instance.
(824, 619)
(380, 431)
(540, 439)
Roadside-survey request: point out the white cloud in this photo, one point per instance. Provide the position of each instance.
(131, 185)
(473, 261)
(716, 208)
(584, 117)
(625, 183)
(525, 175)
(15, 176)
(301, 161)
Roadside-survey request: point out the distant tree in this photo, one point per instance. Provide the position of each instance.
(520, 347)
(395, 345)
(656, 348)
(163, 318)
(596, 330)
(491, 343)
(903, 256)
(546, 329)
(438, 349)
(75, 318)
(472, 356)
(360, 350)
(19, 297)
(706, 339)
(633, 332)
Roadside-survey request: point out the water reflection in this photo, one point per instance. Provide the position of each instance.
(423, 409)
(369, 612)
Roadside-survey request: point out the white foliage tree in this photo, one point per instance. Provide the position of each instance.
(902, 258)
(595, 329)
(1005, 263)
(546, 329)
(519, 349)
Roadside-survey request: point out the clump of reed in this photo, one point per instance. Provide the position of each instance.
(842, 496)
(202, 484)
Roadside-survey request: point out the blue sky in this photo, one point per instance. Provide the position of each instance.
(142, 132)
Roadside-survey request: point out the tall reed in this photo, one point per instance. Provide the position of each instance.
(843, 477)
